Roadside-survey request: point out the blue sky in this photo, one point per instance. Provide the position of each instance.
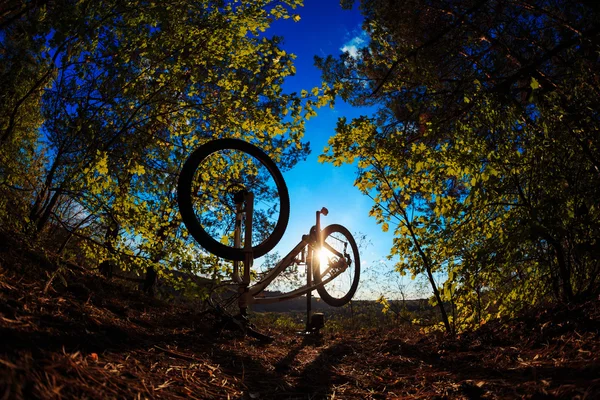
(324, 28)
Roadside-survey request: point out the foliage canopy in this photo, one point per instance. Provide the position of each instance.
(483, 154)
(103, 101)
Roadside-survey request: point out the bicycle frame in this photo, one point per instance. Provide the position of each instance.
(312, 242)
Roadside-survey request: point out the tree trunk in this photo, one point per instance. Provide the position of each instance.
(43, 219)
(436, 292)
(564, 271)
(150, 281)
(565, 274)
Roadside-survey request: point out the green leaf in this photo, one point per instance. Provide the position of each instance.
(534, 84)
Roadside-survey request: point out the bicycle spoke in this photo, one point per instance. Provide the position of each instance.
(338, 265)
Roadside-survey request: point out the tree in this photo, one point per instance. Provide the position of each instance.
(131, 89)
(23, 76)
(484, 147)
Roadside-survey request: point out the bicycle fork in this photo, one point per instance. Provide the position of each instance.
(244, 203)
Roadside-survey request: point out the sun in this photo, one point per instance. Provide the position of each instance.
(323, 255)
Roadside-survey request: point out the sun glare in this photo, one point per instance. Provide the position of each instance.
(323, 256)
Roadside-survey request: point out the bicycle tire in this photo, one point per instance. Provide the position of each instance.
(195, 228)
(322, 289)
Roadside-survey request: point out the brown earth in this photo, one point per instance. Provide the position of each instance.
(95, 339)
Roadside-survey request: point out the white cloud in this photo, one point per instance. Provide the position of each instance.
(353, 45)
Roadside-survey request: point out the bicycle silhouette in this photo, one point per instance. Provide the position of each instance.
(234, 202)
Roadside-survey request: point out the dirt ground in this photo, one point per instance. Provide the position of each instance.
(88, 338)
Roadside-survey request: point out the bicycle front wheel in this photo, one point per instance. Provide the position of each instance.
(338, 264)
(212, 178)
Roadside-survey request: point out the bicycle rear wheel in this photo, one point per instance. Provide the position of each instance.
(210, 179)
(339, 261)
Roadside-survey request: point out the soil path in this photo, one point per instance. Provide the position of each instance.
(96, 339)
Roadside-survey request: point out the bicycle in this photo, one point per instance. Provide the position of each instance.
(222, 188)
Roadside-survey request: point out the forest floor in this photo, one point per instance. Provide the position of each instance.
(86, 337)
